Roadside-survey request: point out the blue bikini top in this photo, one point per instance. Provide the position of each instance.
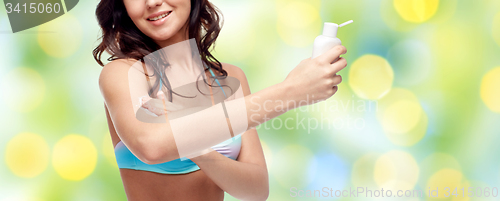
(126, 159)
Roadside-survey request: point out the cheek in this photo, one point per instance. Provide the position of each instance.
(134, 11)
(184, 8)
(185, 14)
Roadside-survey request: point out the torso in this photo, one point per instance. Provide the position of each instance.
(144, 185)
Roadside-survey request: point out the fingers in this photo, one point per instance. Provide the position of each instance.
(152, 105)
(332, 54)
(337, 79)
(339, 65)
(333, 82)
(144, 101)
(335, 89)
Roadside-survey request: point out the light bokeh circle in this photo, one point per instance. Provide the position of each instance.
(407, 15)
(268, 154)
(329, 170)
(74, 157)
(396, 169)
(27, 155)
(435, 162)
(298, 23)
(416, 11)
(362, 173)
(402, 117)
(490, 89)
(60, 37)
(411, 137)
(23, 89)
(371, 77)
(108, 150)
(443, 178)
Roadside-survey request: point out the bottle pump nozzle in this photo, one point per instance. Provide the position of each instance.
(346, 23)
(330, 29)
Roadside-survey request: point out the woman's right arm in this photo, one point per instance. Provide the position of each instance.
(312, 80)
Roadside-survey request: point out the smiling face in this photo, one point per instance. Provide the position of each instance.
(162, 20)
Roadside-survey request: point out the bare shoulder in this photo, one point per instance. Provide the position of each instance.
(115, 70)
(237, 72)
(117, 65)
(233, 70)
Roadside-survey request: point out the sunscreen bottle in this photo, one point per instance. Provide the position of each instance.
(328, 40)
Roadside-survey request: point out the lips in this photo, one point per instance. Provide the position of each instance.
(159, 15)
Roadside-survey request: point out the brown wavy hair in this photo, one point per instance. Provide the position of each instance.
(122, 39)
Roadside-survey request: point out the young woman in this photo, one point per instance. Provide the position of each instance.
(150, 164)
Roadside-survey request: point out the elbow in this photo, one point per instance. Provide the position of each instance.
(157, 154)
(257, 194)
(150, 157)
(262, 192)
(153, 151)
(263, 195)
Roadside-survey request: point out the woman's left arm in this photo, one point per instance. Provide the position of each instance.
(246, 178)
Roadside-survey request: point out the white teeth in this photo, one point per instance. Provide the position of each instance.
(159, 17)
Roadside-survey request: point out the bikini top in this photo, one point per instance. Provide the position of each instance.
(126, 159)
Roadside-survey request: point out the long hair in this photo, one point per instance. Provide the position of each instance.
(122, 39)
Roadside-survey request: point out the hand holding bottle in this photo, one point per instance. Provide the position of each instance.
(315, 80)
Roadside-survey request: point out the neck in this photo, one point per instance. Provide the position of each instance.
(178, 50)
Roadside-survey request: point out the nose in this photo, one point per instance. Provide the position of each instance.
(153, 3)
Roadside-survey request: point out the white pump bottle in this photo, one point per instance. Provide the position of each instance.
(328, 40)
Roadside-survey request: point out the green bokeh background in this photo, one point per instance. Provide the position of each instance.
(442, 61)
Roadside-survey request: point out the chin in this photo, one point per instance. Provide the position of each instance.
(160, 34)
(161, 37)
(163, 34)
